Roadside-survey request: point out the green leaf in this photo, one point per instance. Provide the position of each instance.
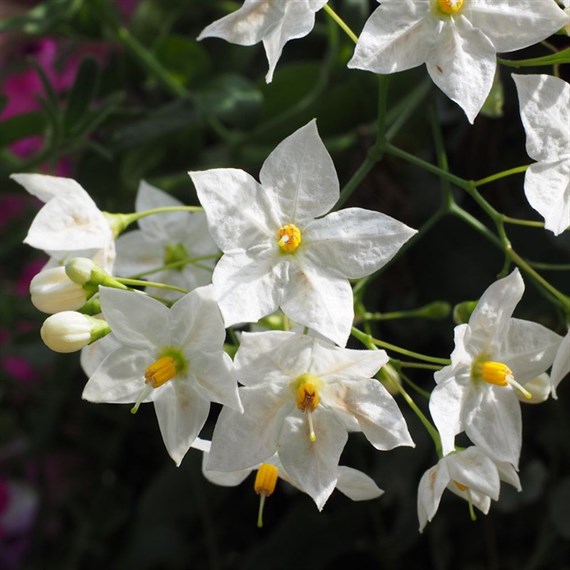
(80, 97)
(21, 127)
(41, 18)
(557, 58)
(185, 59)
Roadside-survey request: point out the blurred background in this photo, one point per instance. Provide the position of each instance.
(112, 92)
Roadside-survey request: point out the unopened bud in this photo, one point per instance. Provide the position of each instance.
(462, 312)
(89, 275)
(53, 291)
(70, 331)
(390, 379)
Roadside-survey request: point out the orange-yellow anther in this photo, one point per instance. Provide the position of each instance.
(307, 397)
(460, 486)
(449, 6)
(266, 479)
(160, 371)
(496, 373)
(289, 238)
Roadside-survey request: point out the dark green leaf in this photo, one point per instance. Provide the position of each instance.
(82, 93)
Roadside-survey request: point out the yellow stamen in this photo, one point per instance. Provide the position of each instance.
(449, 6)
(160, 371)
(500, 374)
(289, 238)
(264, 485)
(308, 400)
(460, 486)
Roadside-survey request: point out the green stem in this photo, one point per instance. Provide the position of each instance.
(367, 340)
(528, 223)
(119, 222)
(178, 265)
(142, 283)
(500, 175)
(341, 23)
(420, 365)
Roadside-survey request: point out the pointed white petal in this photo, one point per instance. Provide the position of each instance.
(137, 253)
(300, 177)
(93, 354)
(561, 366)
(356, 485)
(355, 242)
(431, 488)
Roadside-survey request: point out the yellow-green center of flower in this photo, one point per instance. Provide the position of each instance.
(176, 255)
(264, 485)
(289, 238)
(498, 374)
(307, 398)
(449, 6)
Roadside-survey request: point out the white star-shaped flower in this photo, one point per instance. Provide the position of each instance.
(70, 224)
(280, 250)
(456, 39)
(273, 22)
(167, 239)
(353, 483)
(545, 112)
(494, 356)
(172, 357)
(301, 396)
(469, 474)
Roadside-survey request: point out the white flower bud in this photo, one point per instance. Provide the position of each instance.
(69, 331)
(79, 269)
(53, 291)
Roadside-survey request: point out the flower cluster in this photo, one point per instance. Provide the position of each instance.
(155, 310)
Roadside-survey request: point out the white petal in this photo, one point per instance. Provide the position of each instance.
(223, 193)
(561, 366)
(246, 26)
(397, 36)
(472, 468)
(215, 373)
(490, 319)
(150, 198)
(528, 349)
(356, 485)
(181, 414)
(241, 441)
(46, 187)
(547, 188)
(119, 379)
(273, 357)
(355, 242)
(138, 253)
(313, 464)
(300, 178)
(515, 24)
(545, 112)
(430, 489)
(298, 20)
(196, 322)
(508, 474)
(318, 299)
(136, 320)
(377, 413)
(492, 419)
(462, 64)
(445, 405)
(93, 354)
(249, 285)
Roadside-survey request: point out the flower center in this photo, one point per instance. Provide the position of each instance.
(498, 374)
(307, 399)
(289, 238)
(449, 6)
(460, 486)
(170, 363)
(176, 254)
(264, 485)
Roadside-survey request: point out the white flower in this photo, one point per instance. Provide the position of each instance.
(545, 113)
(173, 357)
(353, 483)
(278, 249)
(301, 397)
(561, 365)
(494, 356)
(70, 224)
(456, 39)
(163, 239)
(469, 474)
(273, 22)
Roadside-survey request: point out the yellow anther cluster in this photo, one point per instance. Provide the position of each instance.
(266, 479)
(307, 397)
(496, 373)
(449, 6)
(160, 371)
(460, 486)
(289, 238)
